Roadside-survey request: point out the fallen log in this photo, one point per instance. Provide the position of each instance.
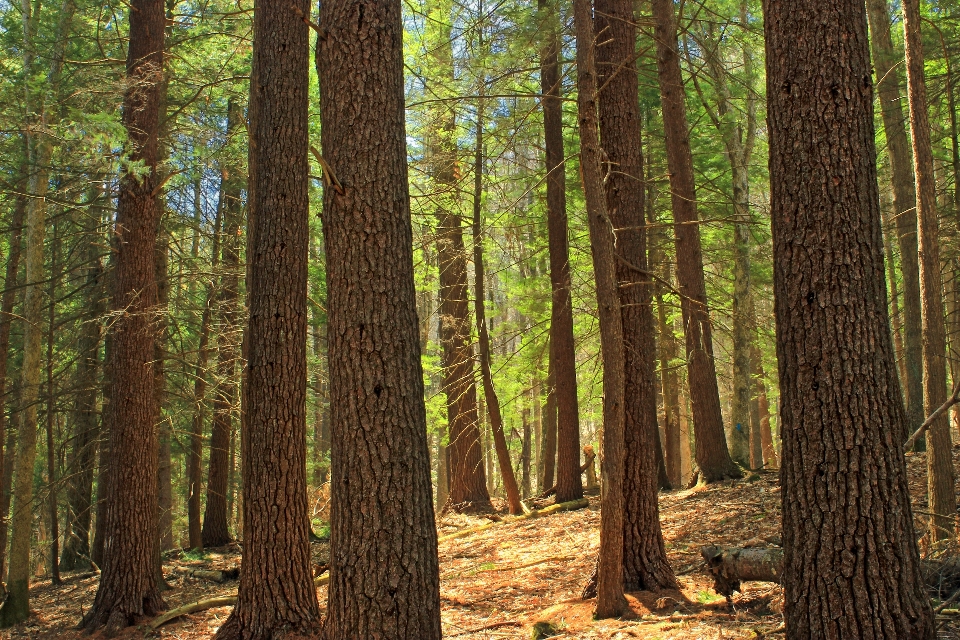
(554, 508)
(730, 566)
(193, 607)
(218, 576)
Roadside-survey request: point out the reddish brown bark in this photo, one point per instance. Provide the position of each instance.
(483, 344)
(276, 590)
(851, 564)
(940, 473)
(6, 317)
(712, 454)
(384, 573)
(562, 353)
(645, 562)
(128, 584)
(610, 600)
(215, 531)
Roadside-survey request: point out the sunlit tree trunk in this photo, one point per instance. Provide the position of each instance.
(940, 473)
(842, 418)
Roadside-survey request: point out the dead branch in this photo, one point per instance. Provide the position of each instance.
(952, 400)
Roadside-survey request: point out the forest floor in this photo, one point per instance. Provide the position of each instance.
(497, 583)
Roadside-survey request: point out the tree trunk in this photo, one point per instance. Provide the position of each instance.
(52, 486)
(16, 607)
(195, 452)
(468, 489)
(8, 432)
(276, 586)
(768, 450)
(489, 392)
(886, 63)
(940, 473)
(711, 454)
(610, 566)
(86, 427)
(645, 562)
(842, 418)
(548, 452)
(164, 425)
(128, 584)
(384, 573)
(215, 531)
(738, 140)
(562, 350)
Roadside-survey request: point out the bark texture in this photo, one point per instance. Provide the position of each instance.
(384, 572)
(563, 359)
(610, 600)
(851, 564)
(276, 592)
(940, 473)
(128, 585)
(645, 562)
(887, 63)
(711, 446)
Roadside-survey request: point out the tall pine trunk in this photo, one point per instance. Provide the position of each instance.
(216, 531)
(563, 356)
(276, 587)
(8, 431)
(712, 455)
(128, 584)
(610, 600)
(645, 560)
(887, 62)
(489, 392)
(940, 473)
(842, 418)
(384, 574)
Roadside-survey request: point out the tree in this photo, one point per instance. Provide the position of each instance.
(887, 62)
(645, 558)
(40, 147)
(842, 418)
(128, 585)
(739, 136)
(711, 447)
(384, 573)
(610, 600)
(489, 392)
(76, 547)
(6, 320)
(276, 586)
(563, 361)
(940, 473)
(468, 490)
(215, 531)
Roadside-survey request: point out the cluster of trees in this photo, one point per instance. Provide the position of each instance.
(214, 253)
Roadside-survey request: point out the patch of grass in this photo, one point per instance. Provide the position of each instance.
(705, 597)
(195, 554)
